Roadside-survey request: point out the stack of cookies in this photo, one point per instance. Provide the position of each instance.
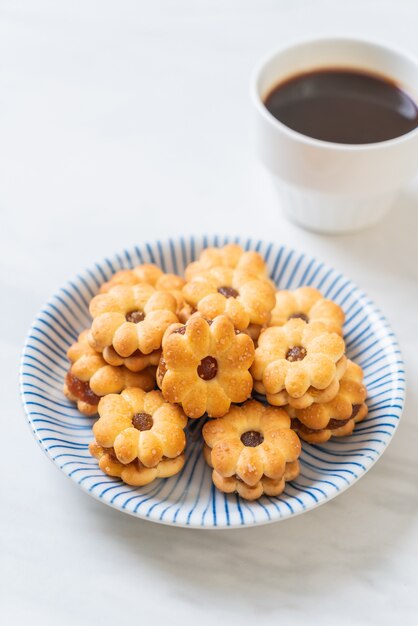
(163, 350)
(300, 364)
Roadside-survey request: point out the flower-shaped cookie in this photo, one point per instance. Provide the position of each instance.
(152, 275)
(298, 359)
(338, 417)
(252, 450)
(90, 377)
(131, 318)
(246, 299)
(134, 473)
(232, 256)
(205, 366)
(140, 426)
(309, 305)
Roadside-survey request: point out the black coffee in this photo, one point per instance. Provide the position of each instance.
(343, 106)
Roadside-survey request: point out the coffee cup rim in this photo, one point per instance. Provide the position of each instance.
(312, 141)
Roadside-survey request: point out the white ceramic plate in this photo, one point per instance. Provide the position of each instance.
(189, 499)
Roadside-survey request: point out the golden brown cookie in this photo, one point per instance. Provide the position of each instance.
(312, 395)
(152, 275)
(205, 366)
(300, 359)
(232, 256)
(140, 426)
(134, 473)
(337, 418)
(245, 298)
(90, 377)
(252, 450)
(131, 319)
(309, 305)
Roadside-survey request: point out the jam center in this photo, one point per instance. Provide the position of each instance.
(252, 438)
(142, 421)
(135, 316)
(356, 409)
(208, 368)
(333, 424)
(296, 353)
(300, 316)
(81, 389)
(181, 330)
(228, 292)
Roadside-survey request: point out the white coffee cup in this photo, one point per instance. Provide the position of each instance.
(324, 186)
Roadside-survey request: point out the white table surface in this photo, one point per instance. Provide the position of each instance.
(126, 121)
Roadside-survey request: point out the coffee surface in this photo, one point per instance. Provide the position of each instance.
(343, 106)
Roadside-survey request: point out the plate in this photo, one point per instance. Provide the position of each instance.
(189, 499)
